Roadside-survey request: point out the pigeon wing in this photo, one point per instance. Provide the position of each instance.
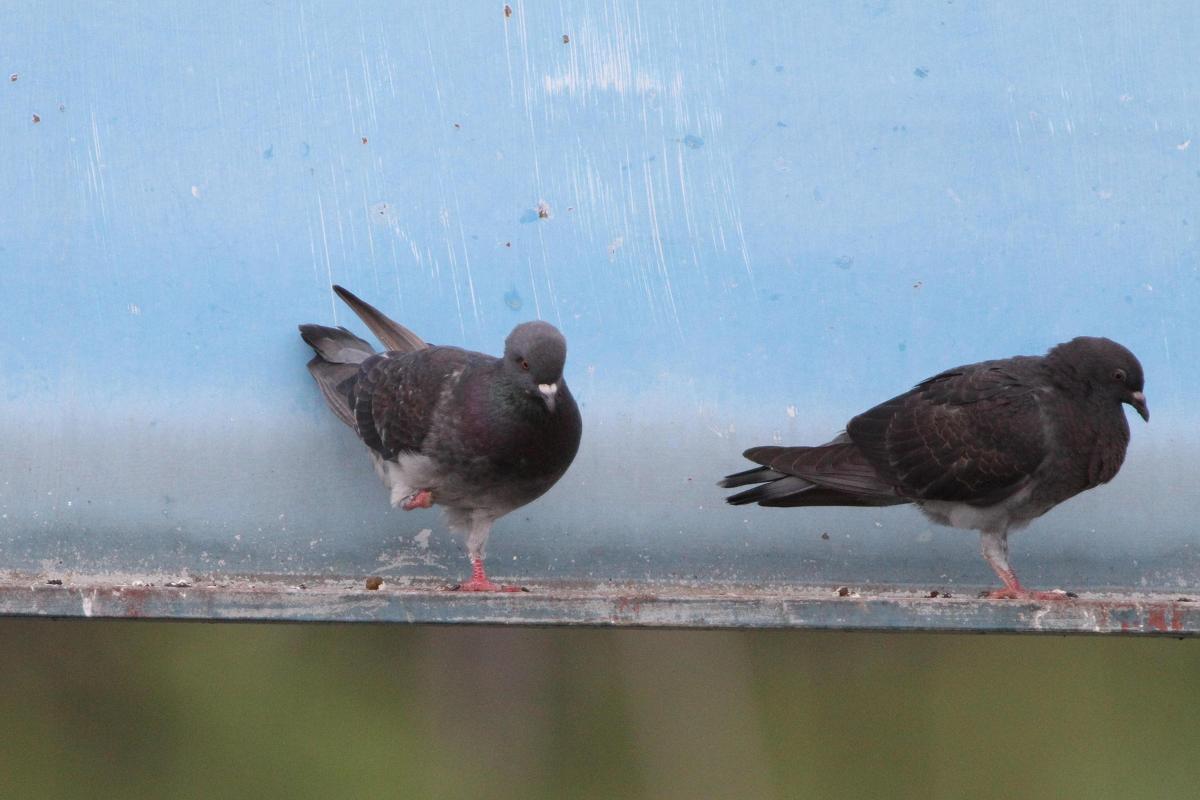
(973, 434)
(397, 396)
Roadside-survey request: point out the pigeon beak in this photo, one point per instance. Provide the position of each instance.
(549, 393)
(1138, 401)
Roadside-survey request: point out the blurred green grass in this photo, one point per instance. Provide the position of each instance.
(145, 709)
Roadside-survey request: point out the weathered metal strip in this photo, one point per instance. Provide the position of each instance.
(668, 605)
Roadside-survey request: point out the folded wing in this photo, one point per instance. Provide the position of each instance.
(970, 435)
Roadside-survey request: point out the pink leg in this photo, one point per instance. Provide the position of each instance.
(480, 583)
(995, 550)
(422, 499)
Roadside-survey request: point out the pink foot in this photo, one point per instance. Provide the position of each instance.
(1013, 590)
(1020, 593)
(422, 499)
(480, 583)
(485, 586)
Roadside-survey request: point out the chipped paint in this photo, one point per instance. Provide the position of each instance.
(672, 605)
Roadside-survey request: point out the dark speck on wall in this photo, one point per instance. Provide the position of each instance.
(36, 119)
(693, 141)
(921, 72)
(364, 140)
(13, 77)
(512, 299)
(566, 39)
(780, 124)
(507, 11)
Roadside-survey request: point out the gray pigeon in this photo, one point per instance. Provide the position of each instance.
(988, 446)
(478, 435)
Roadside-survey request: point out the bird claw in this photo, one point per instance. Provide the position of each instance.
(480, 583)
(421, 499)
(484, 586)
(1055, 596)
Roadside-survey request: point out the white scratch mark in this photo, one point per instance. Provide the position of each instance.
(328, 263)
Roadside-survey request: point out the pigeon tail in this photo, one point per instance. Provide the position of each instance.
(394, 336)
(336, 345)
(755, 475)
(834, 474)
(335, 365)
(790, 492)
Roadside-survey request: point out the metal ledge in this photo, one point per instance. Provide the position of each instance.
(657, 605)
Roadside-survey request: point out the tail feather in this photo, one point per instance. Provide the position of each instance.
(336, 345)
(754, 475)
(335, 365)
(335, 382)
(833, 474)
(393, 335)
(792, 492)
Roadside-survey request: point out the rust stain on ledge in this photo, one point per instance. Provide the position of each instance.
(666, 604)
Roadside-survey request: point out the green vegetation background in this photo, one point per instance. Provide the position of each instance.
(160, 710)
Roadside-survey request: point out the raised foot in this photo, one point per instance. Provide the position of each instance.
(422, 499)
(1056, 596)
(474, 585)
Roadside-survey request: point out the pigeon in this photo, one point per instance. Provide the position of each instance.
(477, 435)
(987, 447)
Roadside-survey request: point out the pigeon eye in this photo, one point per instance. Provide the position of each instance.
(1118, 375)
(524, 365)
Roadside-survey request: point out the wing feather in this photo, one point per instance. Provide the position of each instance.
(973, 434)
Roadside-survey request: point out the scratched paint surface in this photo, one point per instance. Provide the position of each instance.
(751, 222)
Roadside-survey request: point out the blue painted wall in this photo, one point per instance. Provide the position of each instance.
(759, 219)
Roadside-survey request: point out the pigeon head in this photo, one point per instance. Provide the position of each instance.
(1108, 366)
(534, 355)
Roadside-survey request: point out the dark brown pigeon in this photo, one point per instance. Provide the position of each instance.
(478, 435)
(988, 446)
